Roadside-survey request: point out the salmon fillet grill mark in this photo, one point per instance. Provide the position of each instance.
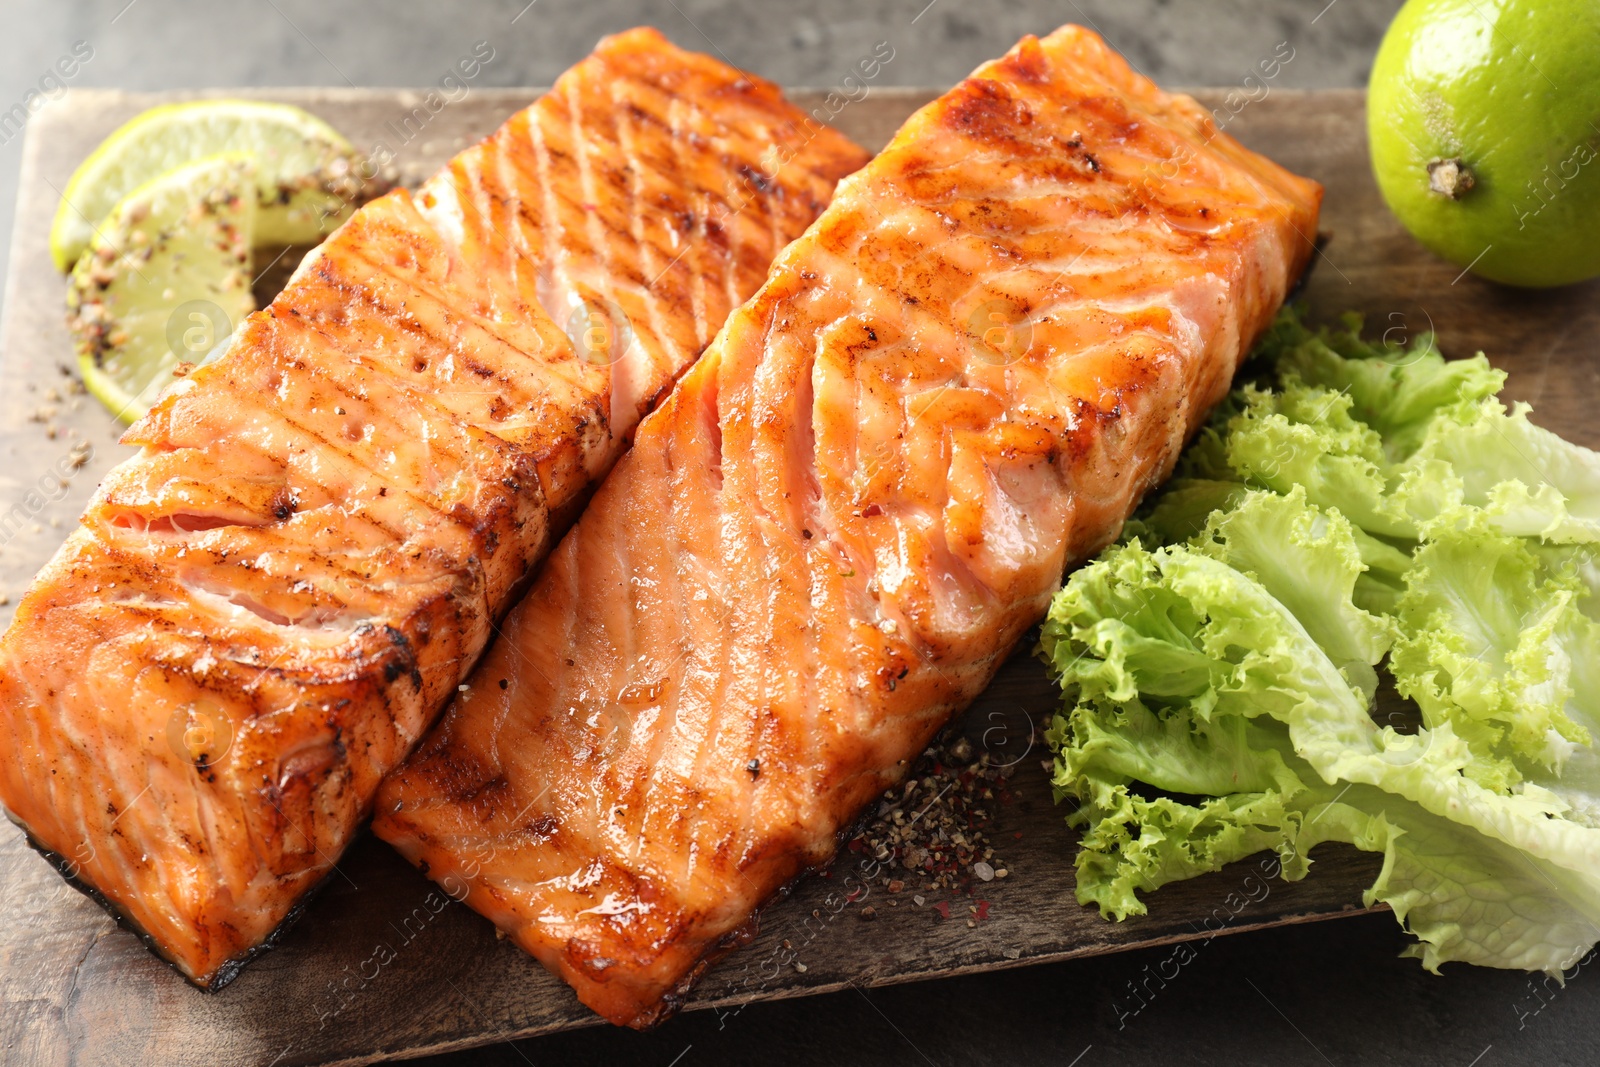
(828, 538)
(264, 609)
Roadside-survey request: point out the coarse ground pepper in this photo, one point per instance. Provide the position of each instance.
(931, 831)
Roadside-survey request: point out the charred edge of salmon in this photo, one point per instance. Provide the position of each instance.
(677, 998)
(674, 1000)
(225, 972)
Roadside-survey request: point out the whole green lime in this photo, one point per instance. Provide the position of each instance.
(1483, 118)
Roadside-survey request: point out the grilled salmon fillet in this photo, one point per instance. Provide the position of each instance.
(828, 538)
(264, 609)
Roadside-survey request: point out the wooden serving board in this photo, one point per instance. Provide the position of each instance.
(380, 966)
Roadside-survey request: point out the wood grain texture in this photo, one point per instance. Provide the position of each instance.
(382, 965)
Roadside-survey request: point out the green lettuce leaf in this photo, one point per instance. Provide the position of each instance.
(1398, 393)
(1494, 643)
(1307, 436)
(1204, 721)
(1356, 502)
(1309, 561)
(1395, 439)
(1524, 479)
(1339, 418)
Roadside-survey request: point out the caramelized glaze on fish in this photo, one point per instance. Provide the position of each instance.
(264, 609)
(828, 538)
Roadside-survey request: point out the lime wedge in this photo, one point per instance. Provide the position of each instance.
(305, 177)
(165, 280)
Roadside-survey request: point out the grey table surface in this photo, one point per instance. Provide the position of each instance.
(1320, 994)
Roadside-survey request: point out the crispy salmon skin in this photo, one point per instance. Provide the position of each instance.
(827, 539)
(264, 609)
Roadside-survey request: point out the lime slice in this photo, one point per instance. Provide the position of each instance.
(305, 176)
(165, 280)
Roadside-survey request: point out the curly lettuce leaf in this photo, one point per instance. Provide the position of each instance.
(1358, 500)
(1309, 561)
(1501, 643)
(1398, 393)
(1338, 417)
(1472, 899)
(1185, 677)
(1523, 479)
(1493, 637)
(1396, 439)
(1307, 436)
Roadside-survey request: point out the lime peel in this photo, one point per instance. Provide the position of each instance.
(1474, 149)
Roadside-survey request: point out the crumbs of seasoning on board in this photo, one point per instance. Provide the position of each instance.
(931, 832)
